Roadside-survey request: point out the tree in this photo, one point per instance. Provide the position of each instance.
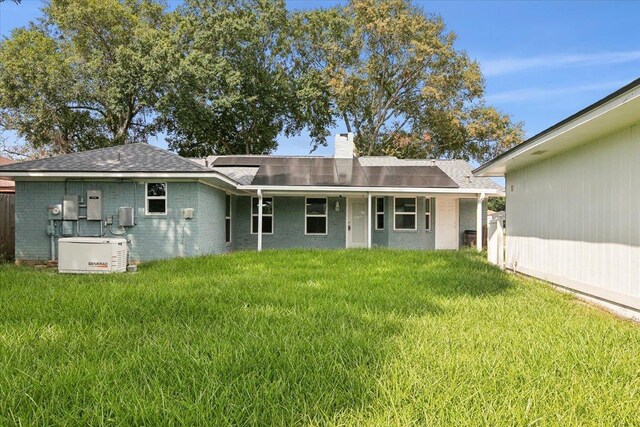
(497, 204)
(233, 85)
(393, 76)
(84, 76)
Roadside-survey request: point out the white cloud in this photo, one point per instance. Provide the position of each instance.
(496, 67)
(529, 94)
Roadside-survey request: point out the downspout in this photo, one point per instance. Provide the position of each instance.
(259, 220)
(52, 239)
(369, 220)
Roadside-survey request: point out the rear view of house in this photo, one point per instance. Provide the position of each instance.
(168, 206)
(573, 207)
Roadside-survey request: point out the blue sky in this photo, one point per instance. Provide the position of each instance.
(542, 61)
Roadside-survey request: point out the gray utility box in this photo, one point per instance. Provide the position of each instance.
(94, 205)
(54, 212)
(67, 228)
(125, 217)
(70, 206)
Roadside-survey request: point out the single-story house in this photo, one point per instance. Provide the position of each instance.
(169, 206)
(573, 204)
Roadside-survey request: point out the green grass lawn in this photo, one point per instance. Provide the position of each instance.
(310, 337)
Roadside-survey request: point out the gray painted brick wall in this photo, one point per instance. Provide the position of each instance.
(288, 225)
(168, 236)
(410, 239)
(153, 237)
(420, 238)
(211, 221)
(468, 216)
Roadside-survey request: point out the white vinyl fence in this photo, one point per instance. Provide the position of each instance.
(495, 240)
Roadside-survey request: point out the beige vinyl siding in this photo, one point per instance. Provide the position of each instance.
(574, 218)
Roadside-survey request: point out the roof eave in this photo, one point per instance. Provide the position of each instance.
(116, 175)
(365, 189)
(626, 96)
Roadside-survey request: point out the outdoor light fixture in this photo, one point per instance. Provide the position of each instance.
(338, 204)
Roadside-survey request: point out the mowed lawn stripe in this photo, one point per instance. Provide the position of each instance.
(310, 337)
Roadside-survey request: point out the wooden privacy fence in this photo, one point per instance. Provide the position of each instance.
(7, 225)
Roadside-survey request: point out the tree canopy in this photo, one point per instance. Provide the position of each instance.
(234, 86)
(84, 76)
(230, 76)
(396, 80)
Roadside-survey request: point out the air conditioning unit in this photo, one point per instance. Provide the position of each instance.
(92, 255)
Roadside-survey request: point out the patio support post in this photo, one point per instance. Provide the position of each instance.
(479, 222)
(259, 220)
(369, 220)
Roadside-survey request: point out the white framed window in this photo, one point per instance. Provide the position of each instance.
(156, 198)
(267, 215)
(427, 214)
(379, 213)
(404, 213)
(227, 219)
(315, 215)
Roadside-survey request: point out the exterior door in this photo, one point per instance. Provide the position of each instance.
(447, 233)
(356, 223)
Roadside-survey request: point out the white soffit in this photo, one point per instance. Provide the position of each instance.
(618, 113)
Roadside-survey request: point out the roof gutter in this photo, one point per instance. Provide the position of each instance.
(377, 190)
(108, 175)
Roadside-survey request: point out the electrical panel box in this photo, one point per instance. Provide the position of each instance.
(54, 212)
(67, 228)
(94, 205)
(70, 207)
(187, 213)
(125, 217)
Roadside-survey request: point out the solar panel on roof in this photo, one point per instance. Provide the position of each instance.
(346, 172)
(224, 161)
(249, 161)
(274, 161)
(408, 176)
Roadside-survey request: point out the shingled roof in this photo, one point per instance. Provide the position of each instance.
(282, 171)
(122, 158)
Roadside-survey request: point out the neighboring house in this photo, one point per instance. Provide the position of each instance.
(6, 185)
(188, 207)
(572, 201)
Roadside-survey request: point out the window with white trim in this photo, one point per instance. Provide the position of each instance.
(379, 213)
(404, 213)
(267, 215)
(227, 219)
(156, 198)
(427, 214)
(315, 215)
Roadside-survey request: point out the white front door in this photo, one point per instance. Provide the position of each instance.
(356, 223)
(447, 233)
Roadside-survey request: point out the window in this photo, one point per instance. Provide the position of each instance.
(379, 213)
(404, 211)
(267, 215)
(316, 215)
(156, 198)
(227, 219)
(427, 214)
